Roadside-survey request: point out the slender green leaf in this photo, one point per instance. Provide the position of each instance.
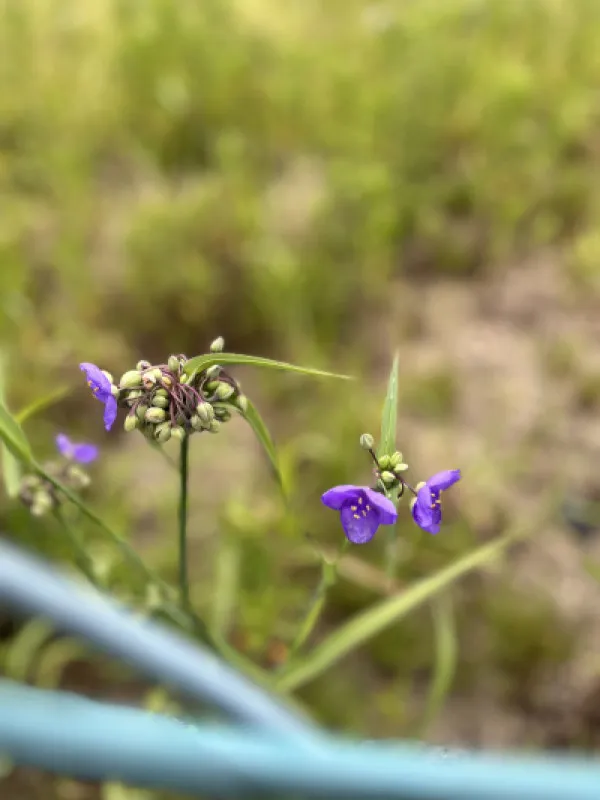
(261, 432)
(446, 652)
(15, 447)
(42, 403)
(375, 619)
(201, 363)
(389, 414)
(227, 580)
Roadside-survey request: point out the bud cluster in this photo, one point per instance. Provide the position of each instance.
(163, 402)
(388, 468)
(41, 496)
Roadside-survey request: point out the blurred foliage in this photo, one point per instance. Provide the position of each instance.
(172, 171)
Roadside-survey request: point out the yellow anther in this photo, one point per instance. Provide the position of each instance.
(356, 516)
(354, 508)
(360, 501)
(364, 513)
(368, 507)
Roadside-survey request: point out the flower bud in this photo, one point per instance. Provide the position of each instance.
(211, 386)
(218, 345)
(215, 426)
(196, 423)
(131, 422)
(388, 478)
(142, 365)
(222, 414)
(367, 442)
(185, 378)
(395, 459)
(155, 415)
(224, 391)
(77, 478)
(162, 432)
(400, 468)
(140, 411)
(158, 401)
(178, 433)
(213, 372)
(384, 462)
(174, 364)
(131, 379)
(132, 395)
(166, 381)
(206, 412)
(241, 401)
(42, 503)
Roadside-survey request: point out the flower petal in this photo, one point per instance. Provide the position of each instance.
(387, 510)
(424, 519)
(336, 497)
(359, 529)
(85, 453)
(97, 379)
(64, 445)
(444, 480)
(110, 412)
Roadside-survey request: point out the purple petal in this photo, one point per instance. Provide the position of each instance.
(425, 519)
(444, 480)
(64, 445)
(336, 497)
(110, 412)
(359, 529)
(85, 453)
(387, 510)
(97, 380)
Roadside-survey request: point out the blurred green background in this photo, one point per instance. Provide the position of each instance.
(322, 183)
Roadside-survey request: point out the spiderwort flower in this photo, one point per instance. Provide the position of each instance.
(102, 389)
(80, 452)
(362, 511)
(427, 506)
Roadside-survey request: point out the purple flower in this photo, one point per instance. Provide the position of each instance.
(427, 508)
(83, 453)
(101, 387)
(362, 511)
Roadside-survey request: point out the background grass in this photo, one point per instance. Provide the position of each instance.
(324, 183)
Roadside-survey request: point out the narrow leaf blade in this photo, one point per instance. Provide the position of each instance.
(15, 447)
(389, 414)
(261, 432)
(201, 363)
(42, 403)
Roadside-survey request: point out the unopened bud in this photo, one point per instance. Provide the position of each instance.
(241, 401)
(215, 426)
(42, 503)
(213, 372)
(367, 442)
(196, 423)
(206, 412)
(174, 364)
(162, 432)
(222, 414)
(131, 379)
(155, 415)
(158, 401)
(384, 462)
(395, 458)
(78, 479)
(131, 422)
(218, 345)
(142, 365)
(178, 433)
(132, 395)
(388, 478)
(400, 468)
(140, 411)
(185, 378)
(224, 391)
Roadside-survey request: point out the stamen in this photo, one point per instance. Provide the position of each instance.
(360, 501)
(368, 507)
(356, 516)
(354, 508)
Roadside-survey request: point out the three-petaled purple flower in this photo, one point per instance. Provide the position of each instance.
(81, 452)
(427, 507)
(362, 511)
(102, 389)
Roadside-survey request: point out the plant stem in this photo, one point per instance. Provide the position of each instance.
(82, 559)
(184, 589)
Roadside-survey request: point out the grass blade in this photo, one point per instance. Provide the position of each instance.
(200, 363)
(261, 432)
(42, 403)
(446, 653)
(389, 414)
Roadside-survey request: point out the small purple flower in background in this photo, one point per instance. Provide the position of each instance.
(427, 507)
(80, 452)
(362, 511)
(102, 389)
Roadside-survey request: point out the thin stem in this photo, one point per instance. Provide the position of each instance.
(82, 559)
(184, 588)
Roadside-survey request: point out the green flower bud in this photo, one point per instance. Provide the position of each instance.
(400, 468)
(384, 462)
(174, 364)
(206, 412)
(215, 426)
(178, 433)
(367, 442)
(131, 379)
(241, 401)
(162, 432)
(218, 345)
(224, 391)
(223, 414)
(115, 391)
(197, 423)
(211, 386)
(388, 478)
(131, 422)
(161, 393)
(77, 478)
(185, 378)
(143, 365)
(158, 401)
(42, 503)
(140, 411)
(132, 396)
(395, 459)
(155, 415)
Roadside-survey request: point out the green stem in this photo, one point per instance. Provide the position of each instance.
(82, 559)
(184, 589)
